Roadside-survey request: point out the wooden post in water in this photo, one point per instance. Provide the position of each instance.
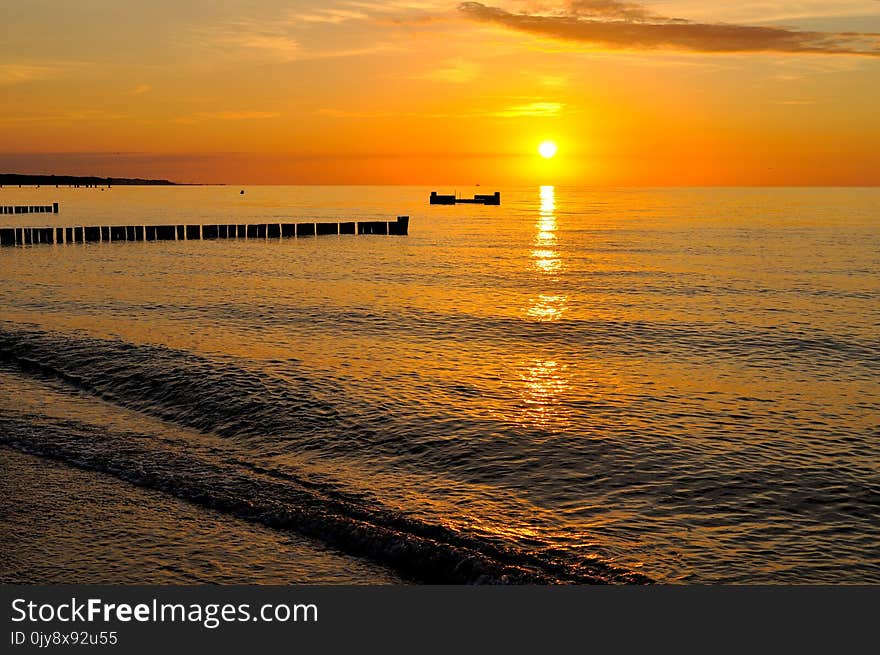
(402, 226)
(322, 229)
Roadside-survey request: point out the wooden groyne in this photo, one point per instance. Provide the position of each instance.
(23, 236)
(29, 209)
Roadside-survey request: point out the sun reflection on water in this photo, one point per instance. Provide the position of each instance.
(547, 307)
(545, 379)
(547, 216)
(546, 257)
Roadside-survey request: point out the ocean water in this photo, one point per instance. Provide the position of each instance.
(581, 385)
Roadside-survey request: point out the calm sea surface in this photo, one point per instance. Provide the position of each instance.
(680, 384)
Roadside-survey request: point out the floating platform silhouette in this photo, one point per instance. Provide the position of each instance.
(20, 236)
(478, 199)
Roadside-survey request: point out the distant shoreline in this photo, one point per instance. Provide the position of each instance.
(66, 180)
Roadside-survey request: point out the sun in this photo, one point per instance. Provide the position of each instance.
(547, 149)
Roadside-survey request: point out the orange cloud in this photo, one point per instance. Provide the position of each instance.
(623, 25)
(226, 116)
(541, 109)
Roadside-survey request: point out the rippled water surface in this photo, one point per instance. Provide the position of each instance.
(578, 385)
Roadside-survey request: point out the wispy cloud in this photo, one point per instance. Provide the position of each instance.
(16, 73)
(226, 115)
(331, 15)
(277, 41)
(624, 25)
(238, 115)
(531, 109)
(553, 80)
(536, 109)
(347, 113)
(269, 42)
(775, 11)
(75, 116)
(355, 51)
(455, 71)
(611, 9)
(141, 89)
(290, 36)
(400, 11)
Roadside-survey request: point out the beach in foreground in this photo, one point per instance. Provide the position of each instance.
(63, 525)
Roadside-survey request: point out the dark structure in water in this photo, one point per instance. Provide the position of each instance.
(478, 199)
(19, 236)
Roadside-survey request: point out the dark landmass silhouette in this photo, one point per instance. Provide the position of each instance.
(15, 178)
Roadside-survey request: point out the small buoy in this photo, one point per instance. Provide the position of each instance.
(241, 192)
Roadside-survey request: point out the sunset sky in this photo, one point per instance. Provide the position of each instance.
(432, 92)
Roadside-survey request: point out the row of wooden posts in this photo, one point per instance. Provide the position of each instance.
(29, 209)
(17, 236)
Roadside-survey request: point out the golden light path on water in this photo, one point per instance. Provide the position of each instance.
(544, 377)
(546, 256)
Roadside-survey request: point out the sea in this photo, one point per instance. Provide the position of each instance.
(581, 385)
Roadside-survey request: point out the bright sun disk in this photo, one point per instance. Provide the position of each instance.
(547, 149)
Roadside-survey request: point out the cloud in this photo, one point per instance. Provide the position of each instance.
(226, 116)
(331, 15)
(375, 48)
(16, 73)
(275, 43)
(141, 89)
(610, 9)
(345, 113)
(455, 71)
(624, 25)
(403, 11)
(261, 42)
(255, 39)
(238, 115)
(553, 80)
(531, 109)
(76, 116)
(537, 109)
(764, 12)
